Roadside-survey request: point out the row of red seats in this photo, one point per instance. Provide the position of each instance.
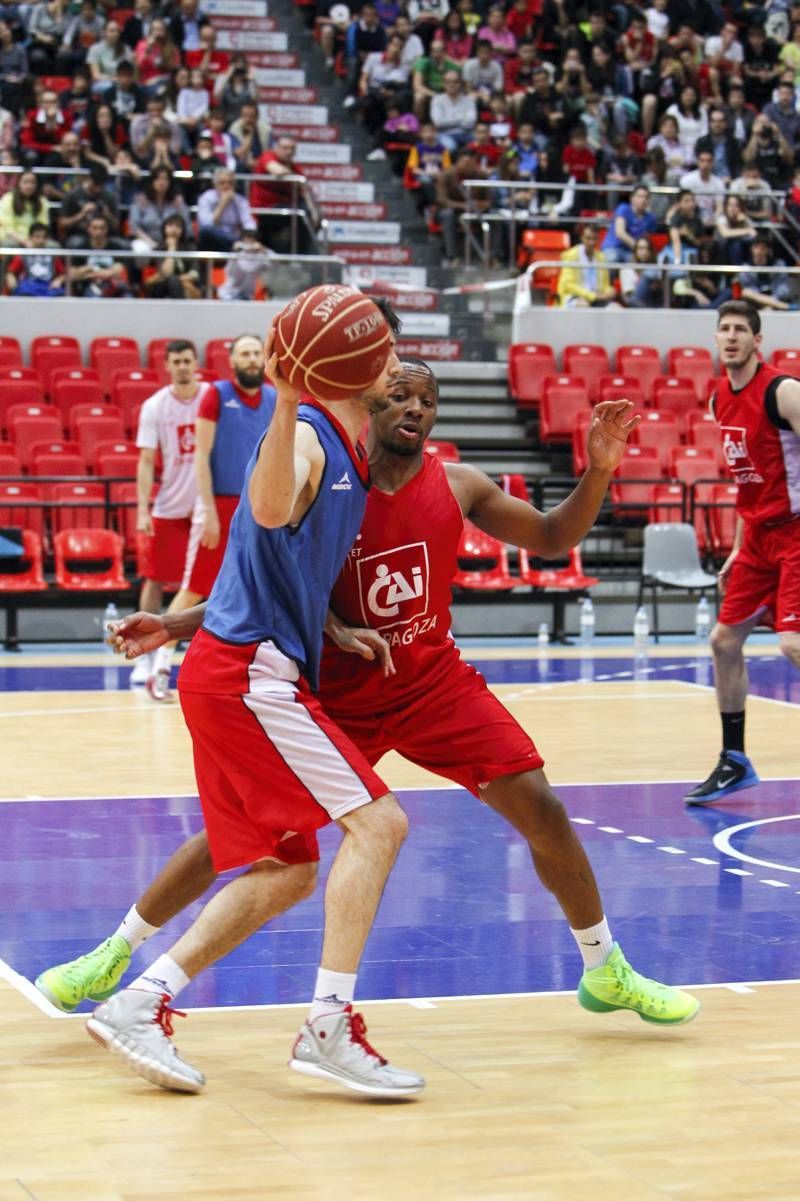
(51, 353)
(672, 440)
(566, 400)
(85, 560)
(50, 509)
(95, 441)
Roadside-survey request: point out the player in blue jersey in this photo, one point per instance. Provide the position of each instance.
(271, 767)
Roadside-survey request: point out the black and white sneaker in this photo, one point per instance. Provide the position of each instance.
(733, 772)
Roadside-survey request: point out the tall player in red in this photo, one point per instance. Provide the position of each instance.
(758, 410)
(392, 603)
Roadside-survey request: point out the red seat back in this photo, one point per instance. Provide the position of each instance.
(628, 495)
(88, 560)
(50, 352)
(588, 362)
(668, 503)
(108, 355)
(676, 395)
(71, 390)
(10, 352)
(482, 562)
(119, 459)
(130, 388)
(693, 463)
(28, 424)
(218, 353)
(25, 574)
(642, 363)
(695, 363)
(620, 387)
(529, 364)
(723, 517)
(21, 504)
(78, 513)
(18, 385)
(563, 399)
(447, 452)
(580, 433)
(10, 463)
(98, 428)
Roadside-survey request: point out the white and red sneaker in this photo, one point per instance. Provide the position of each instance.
(335, 1047)
(158, 688)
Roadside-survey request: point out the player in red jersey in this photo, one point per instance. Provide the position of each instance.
(758, 410)
(391, 603)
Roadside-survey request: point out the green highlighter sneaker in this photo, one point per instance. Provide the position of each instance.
(615, 985)
(95, 976)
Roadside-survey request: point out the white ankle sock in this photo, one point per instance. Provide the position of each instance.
(163, 976)
(162, 659)
(332, 992)
(134, 929)
(595, 944)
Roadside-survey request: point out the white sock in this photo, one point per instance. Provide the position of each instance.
(332, 992)
(163, 976)
(134, 929)
(595, 944)
(162, 659)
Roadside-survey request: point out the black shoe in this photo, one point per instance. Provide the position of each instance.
(733, 772)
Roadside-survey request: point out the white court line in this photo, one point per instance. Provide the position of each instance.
(751, 696)
(148, 708)
(29, 991)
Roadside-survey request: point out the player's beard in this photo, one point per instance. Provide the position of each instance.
(249, 379)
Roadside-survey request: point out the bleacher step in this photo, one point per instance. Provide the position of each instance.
(339, 211)
(322, 152)
(279, 77)
(245, 40)
(292, 96)
(296, 114)
(335, 192)
(383, 233)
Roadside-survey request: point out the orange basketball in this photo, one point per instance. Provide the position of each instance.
(332, 342)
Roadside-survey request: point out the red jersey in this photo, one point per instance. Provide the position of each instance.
(761, 449)
(397, 580)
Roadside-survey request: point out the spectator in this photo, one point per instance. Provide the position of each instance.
(622, 168)
(69, 156)
(366, 36)
(144, 125)
(707, 187)
(686, 229)
(783, 113)
(790, 53)
(527, 151)
(126, 176)
(332, 19)
(426, 161)
(413, 48)
(655, 178)
(13, 70)
(125, 97)
(85, 29)
(735, 231)
(579, 162)
(186, 25)
(501, 125)
(691, 119)
(234, 89)
(250, 137)
(639, 49)
(104, 57)
(483, 75)
(724, 55)
(572, 84)
(176, 277)
(221, 140)
(428, 77)
(739, 115)
(658, 19)
(137, 26)
(641, 283)
(273, 193)
(661, 88)
(518, 74)
(385, 77)
(703, 287)
(672, 147)
(726, 151)
(487, 151)
(426, 16)
(39, 274)
(584, 280)
(451, 201)
(97, 274)
(212, 62)
(245, 269)
(520, 19)
(222, 214)
(754, 193)
(91, 198)
(761, 66)
(105, 133)
(8, 130)
(21, 208)
(203, 165)
(43, 128)
(46, 31)
(192, 107)
(156, 57)
(159, 200)
(76, 100)
(496, 31)
(793, 198)
(762, 288)
(632, 220)
(453, 113)
(458, 42)
(543, 108)
(507, 202)
(768, 150)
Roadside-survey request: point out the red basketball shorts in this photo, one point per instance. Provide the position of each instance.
(765, 578)
(202, 563)
(165, 558)
(458, 729)
(271, 766)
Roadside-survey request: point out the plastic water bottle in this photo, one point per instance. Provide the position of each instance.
(641, 631)
(111, 614)
(544, 634)
(702, 620)
(587, 621)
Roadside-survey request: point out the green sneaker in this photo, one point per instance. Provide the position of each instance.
(95, 976)
(615, 985)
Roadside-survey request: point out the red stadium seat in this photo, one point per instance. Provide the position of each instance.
(28, 424)
(21, 504)
(89, 560)
(10, 352)
(620, 387)
(92, 430)
(786, 360)
(580, 433)
(723, 517)
(563, 399)
(629, 496)
(571, 578)
(68, 388)
(9, 459)
(694, 363)
(657, 429)
(53, 450)
(482, 562)
(156, 349)
(119, 459)
(218, 352)
(693, 463)
(668, 503)
(642, 363)
(52, 351)
(130, 388)
(126, 499)
(588, 362)
(704, 431)
(676, 395)
(84, 506)
(24, 574)
(19, 385)
(447, 452)
(514, 484)
(108, 355)
(529, 364)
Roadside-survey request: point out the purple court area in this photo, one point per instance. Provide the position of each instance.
(463, 913)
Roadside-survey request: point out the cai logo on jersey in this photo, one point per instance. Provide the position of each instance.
(185, 441)
(737, 456)
(393, 586)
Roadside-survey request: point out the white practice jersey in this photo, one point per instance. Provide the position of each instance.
(167, 424)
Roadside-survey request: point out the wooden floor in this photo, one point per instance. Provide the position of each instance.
(528, 1099)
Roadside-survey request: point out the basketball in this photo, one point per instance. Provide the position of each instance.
(332, 342)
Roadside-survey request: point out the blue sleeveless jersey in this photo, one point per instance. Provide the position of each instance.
(276, 583)
(239, 429)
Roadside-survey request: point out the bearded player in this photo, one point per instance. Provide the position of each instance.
(391, 604)
(758, 410)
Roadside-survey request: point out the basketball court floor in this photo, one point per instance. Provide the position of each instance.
(469, 974)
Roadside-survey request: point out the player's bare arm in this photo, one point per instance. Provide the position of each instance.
(288, 471)
(145, 474)
(550, 534)
(368, 643)
(788, 401)
(142, 633)
(205, 432)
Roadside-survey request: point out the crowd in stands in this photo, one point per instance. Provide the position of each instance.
(682, 114)
(130, 99)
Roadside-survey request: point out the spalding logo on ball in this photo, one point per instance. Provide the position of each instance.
(332, 342)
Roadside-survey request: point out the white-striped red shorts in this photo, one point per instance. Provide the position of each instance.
(271, 767)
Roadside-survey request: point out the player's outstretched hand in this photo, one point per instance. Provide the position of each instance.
(137, 635)
(369, 644)
(612, 424)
